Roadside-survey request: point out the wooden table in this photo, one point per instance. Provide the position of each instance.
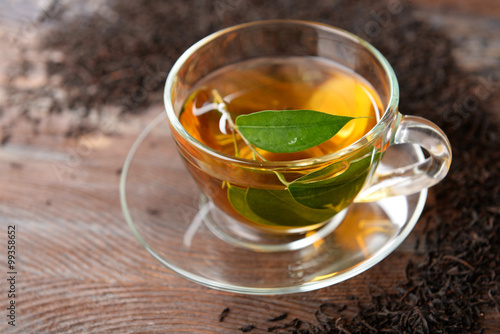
(79, 267)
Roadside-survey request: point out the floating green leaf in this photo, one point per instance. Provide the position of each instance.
(287, 131)
(317, 190)
(311, 199)
(275, 207)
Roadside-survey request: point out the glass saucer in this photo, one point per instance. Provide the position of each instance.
(167, 213)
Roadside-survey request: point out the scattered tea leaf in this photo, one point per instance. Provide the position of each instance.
(279, 317)
(247, 328)
(224, 314)
(295, 323)
(287, 131)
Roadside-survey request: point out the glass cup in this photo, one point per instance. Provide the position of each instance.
(245, 201)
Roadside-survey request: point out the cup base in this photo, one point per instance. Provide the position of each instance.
(242, 235)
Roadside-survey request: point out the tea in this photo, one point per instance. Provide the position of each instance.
(281, 83)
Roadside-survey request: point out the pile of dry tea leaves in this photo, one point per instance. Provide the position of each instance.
(120, 54)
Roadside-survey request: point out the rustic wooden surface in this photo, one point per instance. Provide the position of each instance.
(80, 269)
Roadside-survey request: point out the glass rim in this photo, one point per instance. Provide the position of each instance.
(389, 111)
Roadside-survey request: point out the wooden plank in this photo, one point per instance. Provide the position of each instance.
(82, 270)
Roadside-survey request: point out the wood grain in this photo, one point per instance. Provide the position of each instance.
(81, 270)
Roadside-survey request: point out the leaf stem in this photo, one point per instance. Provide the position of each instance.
(236, 148)
(282, 179)
(222, 107)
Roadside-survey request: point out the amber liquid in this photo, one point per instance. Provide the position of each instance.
(275, 84)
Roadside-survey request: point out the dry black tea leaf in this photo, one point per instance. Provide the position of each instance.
(279, 317)
(224, 314)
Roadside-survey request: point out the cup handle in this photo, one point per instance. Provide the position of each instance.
(415, 177)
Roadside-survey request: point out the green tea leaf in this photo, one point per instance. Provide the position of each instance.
(318, 190)
(237, 198)
(275, 207)
(287, 131)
